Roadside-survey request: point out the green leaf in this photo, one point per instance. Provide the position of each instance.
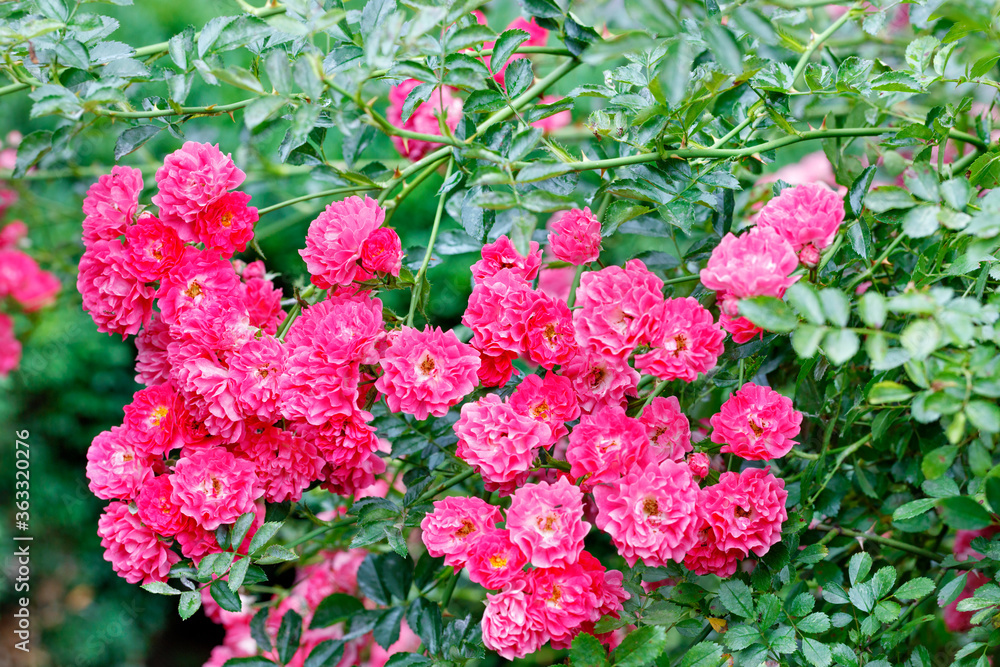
(964, 513)
(801, 604)
(328, 654)
(237, 573)
(641, 647)
(888, 198)
(335, 608)
(705, 654)
(805, 300)
(374, 13)
(862, 597)
(769, 313)
(241, 527)
(275, 554)
(914, 508)
(921, 222)
(914, 589)
(816, 652)
(289, 634)
(920, 338)
(740, 636)
(806, 339)
(814, 623)
(160, 588)
(985, 171)
(483, 101)
(587, 651)
(227, 599)
(424, 618)
(888, 392)
(840, 346)
(407, 660)
(131, 139)
(188, 604)
(984, 415)
(261, 109)
(872, 309)
(506, 44)
(736, 597)
(836, 306)
(859, 566)
(855, 201)
(470, 36)
(936, 462)
(263, 535)
(950, 591)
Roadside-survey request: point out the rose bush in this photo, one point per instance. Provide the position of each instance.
(685, 413)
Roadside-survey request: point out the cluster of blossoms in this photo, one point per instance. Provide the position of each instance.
(443, 106)
(23, 284)
(231, 414)
(793, 227)
(566, 589)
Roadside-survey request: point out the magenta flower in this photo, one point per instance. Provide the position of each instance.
(575, 236)
(152, 420)
(756, 423)
(684, 340)
(157, 510)
(493, 560)
(667, 428)
(116, 300)
(617, 307)
(152, 248)
(214, 487)
(605, 445)
(442, 103)
(454, 527)
(550, 400)
(745, 510)
(191, 179)
(134, 551)
(116, 468)
(501, 254)
(512, 623)
(111, 204)
(807, 216)
(226, 225)
(546, 522)
(382, 252)
(335, 239)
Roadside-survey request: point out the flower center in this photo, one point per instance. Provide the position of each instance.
(158, 414)
(650, 506)
(540, 411)
(227, 219)
(467, 529)
(498, 561)
(547, 523)
(758, 429)
(741, 513)
(556, 595)
(427, 365)
(680, 344)
(194, 290)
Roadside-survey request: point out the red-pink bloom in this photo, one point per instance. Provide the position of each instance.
(494, 313)
(550, 400)
(493, 560)
(557, 283)
(111, 204)
(200, 277)
(426, 372)
(564, 599)
(512, 623)
(190, 180)
(152, 420)
(745, 510)
(226, 225)
(498, 442)
(455, 525)
(617, 307)
(575, 236)
(604, 445)
(255, 371)
(156, 508)
(423, 118)
(335, 239)
(314, 390)
(202, 377)
(115, 299)
(24, 281)
(651, 514)
(600, 381)
(756, 423)
(667, 428)
(496, 370)
(699, 464)
(263, 303)
(546, 522)
(685, 341)
(133, 550)
(757, 263)
(196, 542)
(214, 487)
(548, 334)
(961, 621)
(345, 329)
(286, 464)
(807, 216)
(12, 233)
(151, 364)
(606, 585)
(706, 557)
(10, 348)
(382, 252)
(962, 548)
(152, 249)
(501, 254)
(116, 468)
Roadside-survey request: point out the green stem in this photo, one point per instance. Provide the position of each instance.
(211, 109)
(571, 300)
(294, 312)
(316, 195)
(419, 279)
(445, 485)
(818, 40)
(410, 186)
(836, 466)
(657, 390)
(682, 279)
(877, 263)
(313, 534)
(885, 541)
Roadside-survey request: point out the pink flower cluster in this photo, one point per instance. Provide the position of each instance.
(563, 592)
(795, 226)
(231, 414)
(23, 284)
(622, 312)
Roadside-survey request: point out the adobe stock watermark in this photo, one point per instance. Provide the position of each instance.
(21, 565)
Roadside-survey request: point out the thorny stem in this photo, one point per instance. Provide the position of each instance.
(818, 40)
(885, 541)
(840, 461)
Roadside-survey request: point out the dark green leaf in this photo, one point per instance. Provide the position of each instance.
(227, 599)
(505, 46)
(335, 608)
(769, 313)
(964, 513)
(132, 138)
(641, 647)
(188, 604)
(289, 634)
(518, 77)
(325, 654)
